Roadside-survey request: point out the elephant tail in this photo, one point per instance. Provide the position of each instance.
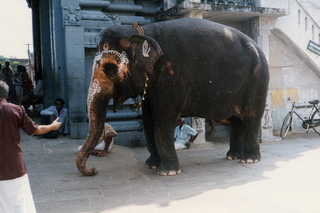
(81, 160)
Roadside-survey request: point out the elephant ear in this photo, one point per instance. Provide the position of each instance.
(145, 52)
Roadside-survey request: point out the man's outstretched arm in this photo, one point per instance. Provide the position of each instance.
(43, 129)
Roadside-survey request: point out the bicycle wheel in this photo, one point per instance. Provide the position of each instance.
(286, 125)
(315, 120)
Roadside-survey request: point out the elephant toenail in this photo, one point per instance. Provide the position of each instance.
(172, 173)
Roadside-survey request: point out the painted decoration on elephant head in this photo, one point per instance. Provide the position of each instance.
(145, 49)
(93, 89)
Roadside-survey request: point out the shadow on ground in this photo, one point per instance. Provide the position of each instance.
(208, 181)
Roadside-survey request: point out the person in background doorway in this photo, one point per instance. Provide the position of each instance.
(8, 79)
(16, 81)
(38, 91)
(15, 191)
(27, 83)
(7, 66)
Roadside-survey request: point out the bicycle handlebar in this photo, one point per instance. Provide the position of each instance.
(294, 101)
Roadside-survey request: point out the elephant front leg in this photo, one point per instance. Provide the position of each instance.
(153, 162)
(169, 164)
(164, 138)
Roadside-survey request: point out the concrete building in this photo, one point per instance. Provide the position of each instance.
(66, 33)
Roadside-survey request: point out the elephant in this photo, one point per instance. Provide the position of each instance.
(187, 67)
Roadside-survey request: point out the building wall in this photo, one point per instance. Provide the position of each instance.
(290, 77)
(294, 70)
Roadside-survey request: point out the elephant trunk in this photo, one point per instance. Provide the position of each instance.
(97, 117)
(82, 158)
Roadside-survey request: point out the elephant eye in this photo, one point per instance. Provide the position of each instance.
(110, 69)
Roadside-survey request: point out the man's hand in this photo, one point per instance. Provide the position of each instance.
(56, 124)
(42, 129)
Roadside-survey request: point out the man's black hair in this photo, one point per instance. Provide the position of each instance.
(60, 100)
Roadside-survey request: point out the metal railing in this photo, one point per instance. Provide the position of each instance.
(250, 3)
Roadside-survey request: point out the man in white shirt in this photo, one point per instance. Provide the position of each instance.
(184, 135)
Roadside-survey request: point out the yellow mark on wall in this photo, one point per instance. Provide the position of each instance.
(280, 96)
(293, 94)
(277, 98)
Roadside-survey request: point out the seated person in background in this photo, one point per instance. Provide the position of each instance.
(51, 113)
(105, 143)
(184, 135)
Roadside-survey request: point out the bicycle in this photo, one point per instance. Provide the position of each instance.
(313, 121)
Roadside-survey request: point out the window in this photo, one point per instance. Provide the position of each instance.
(305, 23)
(312, 31)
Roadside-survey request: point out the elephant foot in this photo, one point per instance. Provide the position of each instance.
(233, 155)
(150, 166)
(249, 161)
(169, 173)
(232, 158)
(152, 163)
(253, 158)
(243, 159)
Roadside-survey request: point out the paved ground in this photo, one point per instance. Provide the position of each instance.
(286, 180)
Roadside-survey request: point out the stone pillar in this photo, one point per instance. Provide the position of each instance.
(266, 122)
(199, 125)
(48, 74)
(261, 33)
(75, 68)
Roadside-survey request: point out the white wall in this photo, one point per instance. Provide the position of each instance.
(290, 77)
(300, 27)
(272, 3)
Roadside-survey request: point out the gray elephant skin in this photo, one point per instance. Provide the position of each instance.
(182, 68)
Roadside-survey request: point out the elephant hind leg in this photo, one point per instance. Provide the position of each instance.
(244, 143)
(236, 139)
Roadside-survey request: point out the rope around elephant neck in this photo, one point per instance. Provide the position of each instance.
(138, 28)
